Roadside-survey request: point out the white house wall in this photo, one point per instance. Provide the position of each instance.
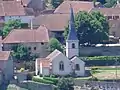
(24, 19)
(45, 71)
(55, 65)
(81, 72)
(70, 52)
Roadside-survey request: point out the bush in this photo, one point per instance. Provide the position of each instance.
(54, 80)
(42, 81)
(22, 70)
(101, 60)
(29, 76)
(52, 76)
(93, 79)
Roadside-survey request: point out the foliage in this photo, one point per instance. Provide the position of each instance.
(54, 80)
(29, 76)
(110, 3)
(93, 79)
(102, 58)
(42, 80)
(55, 44)
(56, 3)
(22, 70)
(11, 24)
(91, 28)
(65, 84)
(21, 53)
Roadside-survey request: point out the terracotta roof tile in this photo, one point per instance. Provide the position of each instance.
(11, 8)
(54, 22)
(45, 62)
(27, 35)
(77, 6)
(4, 55)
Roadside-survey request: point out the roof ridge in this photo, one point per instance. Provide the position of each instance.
(8, 35)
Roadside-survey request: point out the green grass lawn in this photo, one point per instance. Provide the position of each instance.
(107, 73)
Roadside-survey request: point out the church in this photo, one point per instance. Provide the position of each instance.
(57, 63)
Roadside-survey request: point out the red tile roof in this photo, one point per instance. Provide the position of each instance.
(11, 8)
(45, 62)
(4, 55)
(27, 35)
(54, 22)
(77, 6)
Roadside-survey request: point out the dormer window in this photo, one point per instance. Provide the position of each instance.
(73, 45)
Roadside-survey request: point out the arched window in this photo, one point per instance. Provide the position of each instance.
(73, 45)
(77, 67)
(61, 66)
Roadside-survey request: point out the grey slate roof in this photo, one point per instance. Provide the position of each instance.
(72, 32)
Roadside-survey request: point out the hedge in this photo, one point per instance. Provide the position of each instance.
(54, 80)
(42, 81)
(101, 60)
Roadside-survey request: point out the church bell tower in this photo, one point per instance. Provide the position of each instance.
(72, 42)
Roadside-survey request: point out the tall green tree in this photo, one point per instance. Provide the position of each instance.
(56, 3)
(11, 24)
(21, 52)
(110, 3)
(65, 84)
(91, 28)
(55, 44)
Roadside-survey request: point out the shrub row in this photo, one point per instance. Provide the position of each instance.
(101, 58)
(42, 81)
(54, 80)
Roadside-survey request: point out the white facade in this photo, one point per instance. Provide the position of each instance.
(81, 66)
(59, 64)
(72, 48)
(24, 19)
(56, 63)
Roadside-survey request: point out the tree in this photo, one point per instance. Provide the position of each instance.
(56, 3)
(65, 84)
(11, 24)
(110, 3)
(91, 28)
(21, 53)
(55, 44)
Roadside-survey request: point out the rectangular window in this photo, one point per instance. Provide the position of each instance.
(115, 17)
(77, 67)
(109, 17)
(34, 48)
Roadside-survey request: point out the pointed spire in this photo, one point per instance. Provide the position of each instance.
(72, 32)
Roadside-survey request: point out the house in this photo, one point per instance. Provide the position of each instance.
(36, 5)
(59, 64)
(6, 65)
(35, 40)
(77, 6)
(12, 10)
(113, 17)
(51, 22)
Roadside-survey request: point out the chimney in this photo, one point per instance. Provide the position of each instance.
(31, 24)
(94, 3)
